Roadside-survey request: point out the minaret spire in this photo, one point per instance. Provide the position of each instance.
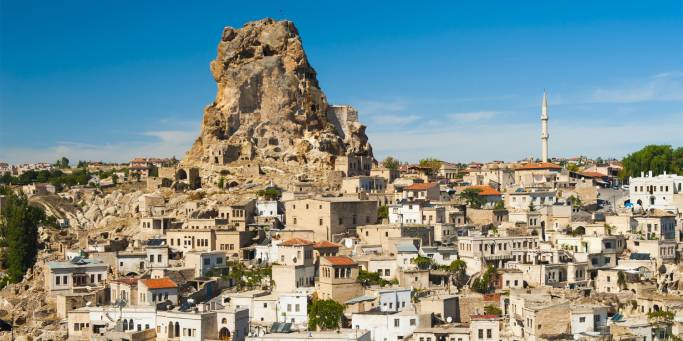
(544, 128)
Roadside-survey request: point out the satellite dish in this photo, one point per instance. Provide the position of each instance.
(449, 319)
(190, 300)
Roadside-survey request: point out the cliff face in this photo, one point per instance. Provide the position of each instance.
(269, 106)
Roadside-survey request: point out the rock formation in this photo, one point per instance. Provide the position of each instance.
(269, 106)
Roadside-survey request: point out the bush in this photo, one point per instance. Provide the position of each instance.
(324, 314)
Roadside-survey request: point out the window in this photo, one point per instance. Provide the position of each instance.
(207, 261)
(297, 307)
(412, 321)
(481, 333)
(489, 333)
(289, 307)
(57, 278)
(582, 319)
(320, 221)
(397, 322)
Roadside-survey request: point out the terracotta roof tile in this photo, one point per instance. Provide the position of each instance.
(324, 244)
(159, 283)
(339, 260)
(296, 242)
(485, 190)
(538, 165)
(593, 174)
(421, 187)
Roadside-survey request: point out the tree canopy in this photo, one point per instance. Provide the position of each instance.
(391, 163)
(62, 163)
(324, 314)
(655, 158)
(431, 163)
(19, 232)
(472, 197)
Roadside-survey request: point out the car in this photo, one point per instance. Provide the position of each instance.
(624, 187)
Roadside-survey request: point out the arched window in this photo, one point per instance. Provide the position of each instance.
(130, 324)
(224, 321)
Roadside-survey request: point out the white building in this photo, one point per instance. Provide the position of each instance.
(190, 325)
(387, 326)
(587, 319)
(394, 299)
(293, 308)
(416, 213)
(659, 192)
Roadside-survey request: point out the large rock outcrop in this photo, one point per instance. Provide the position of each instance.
(269, 106)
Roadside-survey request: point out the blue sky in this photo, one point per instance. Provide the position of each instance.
(109, 80)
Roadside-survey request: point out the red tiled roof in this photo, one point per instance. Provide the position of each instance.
(593, 174)
(159, 283)
(339, 260)
(484, 190)
(421, 187)
(324, 244)
(296, 242)
(129, 281)
(538, 165)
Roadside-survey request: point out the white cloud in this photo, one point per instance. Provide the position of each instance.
(394, 120)
(375, 107)
(515, 141)
(667, 86)
(473, 116)
(165, 143)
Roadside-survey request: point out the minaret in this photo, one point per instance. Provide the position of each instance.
(544, 128)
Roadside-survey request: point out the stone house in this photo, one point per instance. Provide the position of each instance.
(422, 191)
(294, 266)
(338, 279)
(76, 274)
(155, 291)
(364, 184)
(206, 263)
(330, 218)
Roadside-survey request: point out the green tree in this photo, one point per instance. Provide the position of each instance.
(391, 163)
(324, 315)
(458, 268)
(247, 278)
(655, 158)
(221, 182)
(433, 164)
(572, 167)
(270, 193)
(154, 171)
(19, 230)
(62, 163)
(472, 197)
(621, 279)
(371, 278)
(114, 178)
(492, 310)
(500, 205)
(423, 262)
(484, 283)
(382, 212)
(82, 164)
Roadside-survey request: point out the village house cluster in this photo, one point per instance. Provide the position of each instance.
(442, 252)
(553, 250)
